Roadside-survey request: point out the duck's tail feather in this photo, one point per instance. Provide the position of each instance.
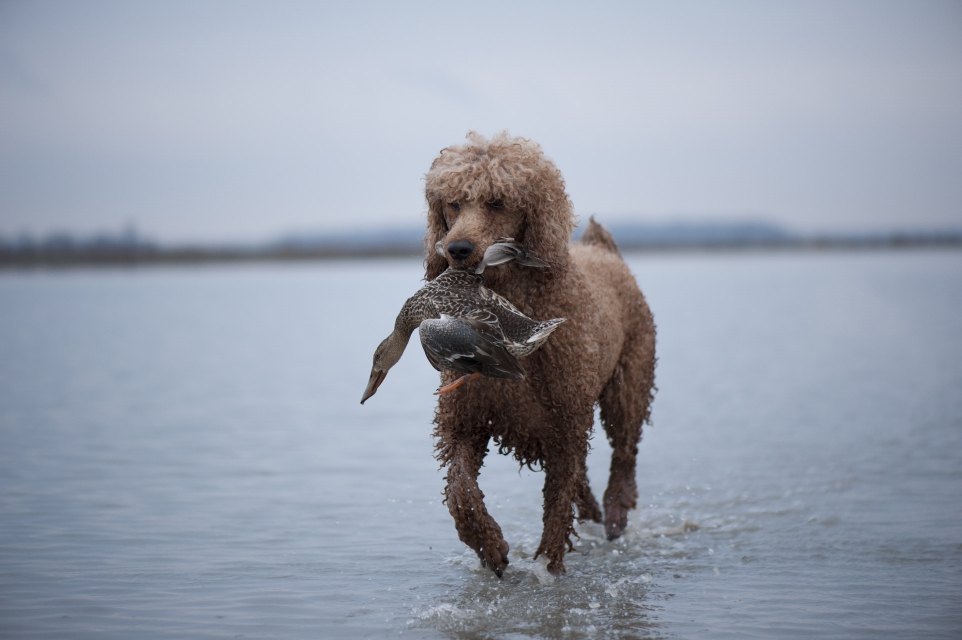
(543, 330)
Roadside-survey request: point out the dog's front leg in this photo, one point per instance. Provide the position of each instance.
(476, 528)
(560, 491)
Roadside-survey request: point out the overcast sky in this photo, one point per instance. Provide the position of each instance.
(236, 121)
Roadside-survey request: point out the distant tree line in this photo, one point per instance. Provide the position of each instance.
(128, 247)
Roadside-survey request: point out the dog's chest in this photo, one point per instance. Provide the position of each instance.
(506, 409)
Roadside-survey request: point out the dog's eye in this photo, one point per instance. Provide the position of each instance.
(496, 204)
(455, 205)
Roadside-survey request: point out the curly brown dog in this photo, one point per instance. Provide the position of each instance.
(604, 354)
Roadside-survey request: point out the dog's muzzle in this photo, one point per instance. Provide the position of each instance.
(460, 249)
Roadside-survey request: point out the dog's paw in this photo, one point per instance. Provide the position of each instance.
(495, 558)
(616, 521)
(620, 497)
(556, 567)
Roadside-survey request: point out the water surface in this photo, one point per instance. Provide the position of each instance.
(182, 454)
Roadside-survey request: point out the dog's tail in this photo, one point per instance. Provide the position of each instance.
(597, 235)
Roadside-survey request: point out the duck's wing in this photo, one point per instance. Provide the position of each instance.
(522, 334)
(507, 250)
(485, 322)
(497, 303)
(468, 345)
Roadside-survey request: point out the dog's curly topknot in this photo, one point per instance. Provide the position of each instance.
(513, 170)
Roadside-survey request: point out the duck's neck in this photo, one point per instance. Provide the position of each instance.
(408, 319)
(397, 342)
(394, 346)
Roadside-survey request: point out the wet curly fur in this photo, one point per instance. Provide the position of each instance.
(604, 354)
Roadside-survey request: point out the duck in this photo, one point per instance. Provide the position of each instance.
(464, 327)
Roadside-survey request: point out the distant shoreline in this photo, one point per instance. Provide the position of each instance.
(81, 256)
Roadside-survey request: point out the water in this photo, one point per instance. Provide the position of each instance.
(182, 454)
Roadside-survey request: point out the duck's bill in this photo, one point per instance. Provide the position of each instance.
(377, 377)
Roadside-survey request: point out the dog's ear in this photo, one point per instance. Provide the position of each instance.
(547, 232)
(436, 229)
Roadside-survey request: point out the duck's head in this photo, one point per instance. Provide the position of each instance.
(385, 356)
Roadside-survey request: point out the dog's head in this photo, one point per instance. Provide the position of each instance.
(484, 190)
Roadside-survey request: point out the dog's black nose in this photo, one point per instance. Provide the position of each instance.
(460, 249)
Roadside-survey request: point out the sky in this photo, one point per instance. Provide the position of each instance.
(235, 121)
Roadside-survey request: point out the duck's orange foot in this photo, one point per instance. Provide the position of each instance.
(457, 383)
